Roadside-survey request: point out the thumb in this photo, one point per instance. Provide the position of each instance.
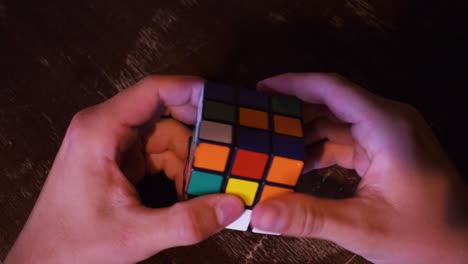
(188, 222)
(302, 215)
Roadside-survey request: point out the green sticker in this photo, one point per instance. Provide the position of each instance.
(218, 111)
(286, 105)
(204, 183)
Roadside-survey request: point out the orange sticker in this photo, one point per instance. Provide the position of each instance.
(273, 191)
(288, 126)
(211, 157)
(253, 118)
(285, 171)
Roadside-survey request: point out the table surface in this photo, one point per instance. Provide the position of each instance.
(57, 57)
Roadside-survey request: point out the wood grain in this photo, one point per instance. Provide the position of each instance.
(57, 57)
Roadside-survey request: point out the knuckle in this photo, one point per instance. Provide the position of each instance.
(79, 119)
(85, 128)
(405, 117)
(79, 123)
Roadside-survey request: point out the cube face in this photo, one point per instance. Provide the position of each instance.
(245, 143)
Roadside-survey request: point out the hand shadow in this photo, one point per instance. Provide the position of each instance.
(157, 191)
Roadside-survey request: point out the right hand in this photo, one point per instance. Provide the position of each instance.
(410, 206)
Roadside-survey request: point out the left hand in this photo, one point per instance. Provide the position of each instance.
(89, 211)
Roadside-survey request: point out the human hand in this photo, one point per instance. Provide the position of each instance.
(88, 210)
(410, 206)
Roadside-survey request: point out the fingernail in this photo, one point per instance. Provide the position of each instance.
(267, 216)
(228, 209)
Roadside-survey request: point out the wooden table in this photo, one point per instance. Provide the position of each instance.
(57, 57)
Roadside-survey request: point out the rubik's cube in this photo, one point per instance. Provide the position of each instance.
(245, 143)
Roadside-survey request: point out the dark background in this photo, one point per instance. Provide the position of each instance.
(57, 57)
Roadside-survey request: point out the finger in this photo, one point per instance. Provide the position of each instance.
(111, 127)
(323, 128)
(168, 135)
(302, 215)
(186, 223)
(311, 112)
(184, 113)
(328, 154)
(347, 101)
(134, 106)
(168, 162)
